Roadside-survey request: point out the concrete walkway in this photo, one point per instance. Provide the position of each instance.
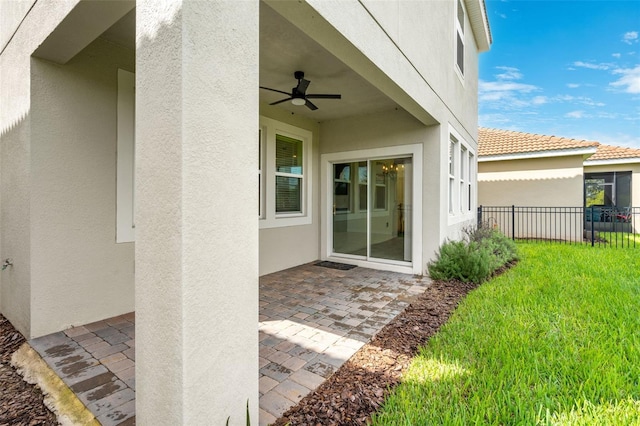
(312, 319)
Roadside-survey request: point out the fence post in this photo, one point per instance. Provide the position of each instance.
(592, 234)
(513, 222)
(479, 217)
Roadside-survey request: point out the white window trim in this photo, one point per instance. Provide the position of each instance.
(452, 164)
(326, 227)
(461, 212)
(464, 167)
(262, 136)
(459, 30)
(271, 219)
(125, 162)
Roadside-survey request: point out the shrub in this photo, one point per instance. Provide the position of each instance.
(502, 249)
(482, 252)
(462, 261)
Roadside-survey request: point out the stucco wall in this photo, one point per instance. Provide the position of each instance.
(79, 273)
(538, 182)
(634, 168)
(288, 246)
(388, 128)
(22, 37)
(11, 14)
(424, 31)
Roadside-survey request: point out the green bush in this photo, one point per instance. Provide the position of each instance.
(475, 258)
(501, 248)
(461, 260)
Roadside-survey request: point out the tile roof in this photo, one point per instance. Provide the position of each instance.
(506, 142)
(609, 152)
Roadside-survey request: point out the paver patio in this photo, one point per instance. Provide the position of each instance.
(312, 319)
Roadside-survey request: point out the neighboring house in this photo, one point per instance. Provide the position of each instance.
(526, 169)
(181, 157)
(531, 170)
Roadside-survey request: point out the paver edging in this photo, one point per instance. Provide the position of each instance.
(58, 397)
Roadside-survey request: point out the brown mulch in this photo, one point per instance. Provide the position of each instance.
(20, 402)
(354, 392)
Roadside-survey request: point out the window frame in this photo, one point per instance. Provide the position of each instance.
(453, 147)
(270, 218)
(462, 184)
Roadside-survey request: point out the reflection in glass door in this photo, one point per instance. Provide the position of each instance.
(350, 208)
(372, 209)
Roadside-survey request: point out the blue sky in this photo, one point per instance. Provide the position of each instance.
(564, 68)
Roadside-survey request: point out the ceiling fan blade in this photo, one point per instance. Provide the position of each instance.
(302, 86)
(310, 105)
(279, 102)
(274, 90)
(324, 96)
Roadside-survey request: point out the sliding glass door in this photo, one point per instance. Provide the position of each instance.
(372, 209)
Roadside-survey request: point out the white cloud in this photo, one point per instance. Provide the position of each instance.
(539, 100)
(504, 86)
(505, 92)
(573, 85)
(584, 100)
(510, 73)
(575, 114)
(619, 139)
(503, 16)
(616, 55)
(629, 81)
(630, 37)
(592, 66)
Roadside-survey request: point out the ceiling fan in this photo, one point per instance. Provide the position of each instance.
(298, 95)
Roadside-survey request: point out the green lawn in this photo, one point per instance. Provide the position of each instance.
(621, 239)
(555, 340)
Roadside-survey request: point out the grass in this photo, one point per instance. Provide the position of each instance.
(620, 238)
(555, 340)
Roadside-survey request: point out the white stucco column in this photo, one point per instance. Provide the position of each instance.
(196, 212)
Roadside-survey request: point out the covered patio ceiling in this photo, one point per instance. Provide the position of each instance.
(285, 49)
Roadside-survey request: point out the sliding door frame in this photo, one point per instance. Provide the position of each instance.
(327, 181)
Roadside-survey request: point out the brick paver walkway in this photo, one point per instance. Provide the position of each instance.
(312, 319)
(97, 361)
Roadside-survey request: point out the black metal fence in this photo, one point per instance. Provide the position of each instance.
(602, 226)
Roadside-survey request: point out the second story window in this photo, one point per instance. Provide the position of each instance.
(460, 37)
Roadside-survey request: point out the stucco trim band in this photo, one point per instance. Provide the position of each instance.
(543, 154)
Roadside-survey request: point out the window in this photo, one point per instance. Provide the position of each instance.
(284, 174)
(348, 175)
(342, 188)
(462, 181)
(125, 178)
(362, 184)
(612, 189)
(382, 170)
(289, 175)
(453, 146)
(460, 37)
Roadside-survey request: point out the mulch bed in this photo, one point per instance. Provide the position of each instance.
(354, 392)
(20, 402)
